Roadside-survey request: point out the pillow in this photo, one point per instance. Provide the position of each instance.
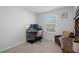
(39, 33)
(66, 34)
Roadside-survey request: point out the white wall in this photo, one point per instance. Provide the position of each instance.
(13, 21)
(62, 24)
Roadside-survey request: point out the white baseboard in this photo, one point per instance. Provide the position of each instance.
(50, 39)
(12, 46)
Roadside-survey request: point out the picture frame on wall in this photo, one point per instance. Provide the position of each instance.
(64, 15)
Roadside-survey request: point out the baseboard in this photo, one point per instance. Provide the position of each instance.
(11, 46)
(50, 39)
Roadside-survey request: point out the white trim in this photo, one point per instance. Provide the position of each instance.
(11, 46)
(50, 40)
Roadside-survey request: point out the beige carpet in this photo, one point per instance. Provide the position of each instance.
(46, 46)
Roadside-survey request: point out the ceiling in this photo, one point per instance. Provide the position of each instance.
(40, 9)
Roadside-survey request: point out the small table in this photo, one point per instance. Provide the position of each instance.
(76, 46)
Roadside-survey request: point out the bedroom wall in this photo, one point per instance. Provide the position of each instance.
(13, 23)
(62, 24)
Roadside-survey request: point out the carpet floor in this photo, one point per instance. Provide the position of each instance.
(46, 46)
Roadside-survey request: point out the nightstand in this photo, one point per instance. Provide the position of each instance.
(76, 46)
